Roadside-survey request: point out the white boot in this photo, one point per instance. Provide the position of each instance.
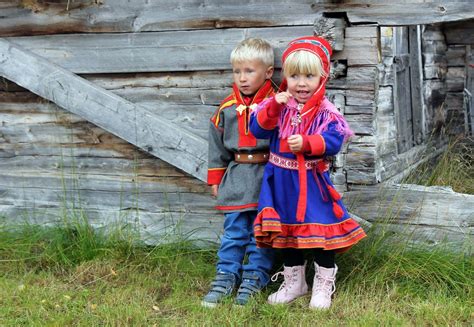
(293, 286)
(324, 286)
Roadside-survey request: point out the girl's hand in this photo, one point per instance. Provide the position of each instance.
(295, 143)
(283, 97)
(214, 189)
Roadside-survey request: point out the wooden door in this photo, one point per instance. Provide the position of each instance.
(408, 87)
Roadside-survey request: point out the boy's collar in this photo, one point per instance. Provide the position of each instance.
(262, 93)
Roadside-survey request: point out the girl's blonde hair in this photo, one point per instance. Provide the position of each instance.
(303, 62)
(251, 49)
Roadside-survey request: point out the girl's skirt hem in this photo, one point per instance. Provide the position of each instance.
(270, 232)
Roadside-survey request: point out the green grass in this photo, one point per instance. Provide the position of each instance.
(71, 275)
(454, 167)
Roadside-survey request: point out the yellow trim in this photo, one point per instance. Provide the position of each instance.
(227, 104)
(284, 239)
(342, 222)
(222, 107)
(224, 168)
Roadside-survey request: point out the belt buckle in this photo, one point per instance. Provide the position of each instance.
(250, 157)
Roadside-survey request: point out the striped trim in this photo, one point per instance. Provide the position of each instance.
(237, 207)
(316, 43)
(227, 104)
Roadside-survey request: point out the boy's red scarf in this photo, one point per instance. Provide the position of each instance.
(246, 139)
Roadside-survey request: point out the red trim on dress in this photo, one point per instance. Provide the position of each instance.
(267, 225)
(302, 196)
(284, 147)
(243, 206)
(340, 236)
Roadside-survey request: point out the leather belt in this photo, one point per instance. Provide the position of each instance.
(251, 158)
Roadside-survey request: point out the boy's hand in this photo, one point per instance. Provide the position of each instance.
(214, 190)
(295, 143)
(283, 97)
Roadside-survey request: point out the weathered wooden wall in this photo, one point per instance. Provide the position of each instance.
(53, 161)
(56, 158)
(459, 71)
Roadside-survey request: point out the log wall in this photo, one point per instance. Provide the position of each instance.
(53, 162)
(459, 59)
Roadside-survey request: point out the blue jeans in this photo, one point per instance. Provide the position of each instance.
(238, 240)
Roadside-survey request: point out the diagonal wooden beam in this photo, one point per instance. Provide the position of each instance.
(129, 121)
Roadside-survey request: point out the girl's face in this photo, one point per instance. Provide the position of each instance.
(303, 86)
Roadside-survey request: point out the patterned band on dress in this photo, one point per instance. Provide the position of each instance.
(292, 164)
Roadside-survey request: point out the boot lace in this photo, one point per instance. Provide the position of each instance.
(325, 284)
(289, 276)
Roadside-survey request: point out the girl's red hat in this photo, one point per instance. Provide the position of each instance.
(314, 44)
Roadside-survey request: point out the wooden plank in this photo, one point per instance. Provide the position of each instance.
(360, 156)
(469, 91)
(402, 90)
(154, 51)
(415, 205)
(152, 227)
(416, 84)
(124, 119)
(38, 17)
(403, 13)
(459, 32)
(66, 176)
(359, 51)
(361, 124)
(360, 176)
(456, 55)
(175, 51)
(455, 79)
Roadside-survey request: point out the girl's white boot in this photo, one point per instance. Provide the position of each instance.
(324, 286)
(293, 286)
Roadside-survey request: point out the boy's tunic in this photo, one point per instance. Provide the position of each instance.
(229, 133)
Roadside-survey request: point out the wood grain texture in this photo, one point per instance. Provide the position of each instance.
(131, 122)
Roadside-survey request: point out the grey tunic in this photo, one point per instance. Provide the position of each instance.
(239, 184)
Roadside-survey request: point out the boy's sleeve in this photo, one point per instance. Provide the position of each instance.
(219, 156)
(328, 143)
(265, 119)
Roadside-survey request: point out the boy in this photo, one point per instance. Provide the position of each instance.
(236, 163)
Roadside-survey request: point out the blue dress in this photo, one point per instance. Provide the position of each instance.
(299, 207)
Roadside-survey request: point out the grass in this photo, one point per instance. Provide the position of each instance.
(71, 275)
(454, 167)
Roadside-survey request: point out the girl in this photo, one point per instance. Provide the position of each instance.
(299, 209)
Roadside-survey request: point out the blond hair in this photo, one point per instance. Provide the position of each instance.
(251, 49)
(303, 62)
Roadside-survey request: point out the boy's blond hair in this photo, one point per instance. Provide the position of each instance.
(251, 49)
(303, 62)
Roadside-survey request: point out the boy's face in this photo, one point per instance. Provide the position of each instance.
(303, 86)
(250, 75)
